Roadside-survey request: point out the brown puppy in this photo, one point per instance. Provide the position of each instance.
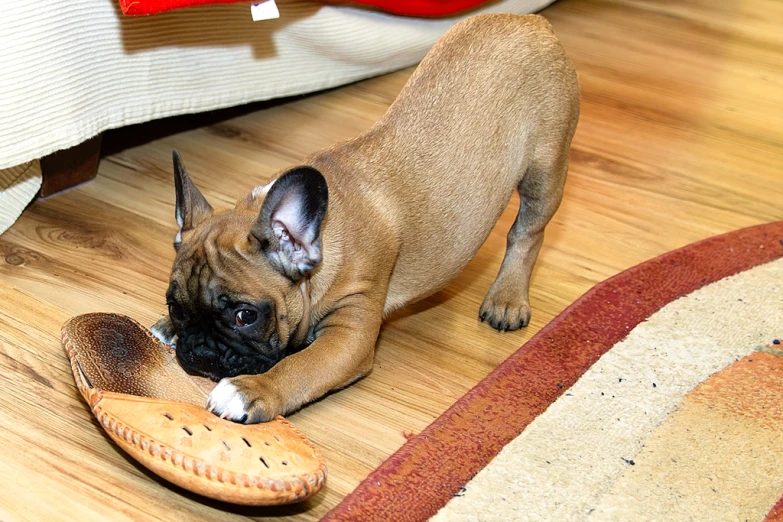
(283, 299)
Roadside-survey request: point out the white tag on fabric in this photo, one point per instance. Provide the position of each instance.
(265, 10)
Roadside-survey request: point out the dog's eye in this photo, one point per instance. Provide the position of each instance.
(245, 317)
(175, 311)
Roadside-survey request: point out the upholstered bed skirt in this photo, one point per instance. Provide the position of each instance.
(71, 70)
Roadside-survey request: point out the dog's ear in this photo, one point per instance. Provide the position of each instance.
(288, 228)
(192, 208)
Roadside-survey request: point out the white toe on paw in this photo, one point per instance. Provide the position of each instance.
(226, 402)
(168, 340)
(163, 332)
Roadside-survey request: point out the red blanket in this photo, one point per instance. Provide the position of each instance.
(428, 8)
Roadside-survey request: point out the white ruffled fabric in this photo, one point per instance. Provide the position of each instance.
(71, 70)
(18, 187)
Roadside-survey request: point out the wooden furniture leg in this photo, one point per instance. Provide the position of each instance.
(69, 167)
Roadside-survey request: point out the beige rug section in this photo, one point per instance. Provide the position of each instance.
(570, 457)
(18, 186)
(718, 455)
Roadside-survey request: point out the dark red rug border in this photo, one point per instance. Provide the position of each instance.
(430, 468)
(776, 513)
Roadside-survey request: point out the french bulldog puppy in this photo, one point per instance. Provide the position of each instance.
(281, 299)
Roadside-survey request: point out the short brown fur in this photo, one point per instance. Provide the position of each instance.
(492, 108)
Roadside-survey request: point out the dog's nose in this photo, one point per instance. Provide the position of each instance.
(206, 356)
(193, 350)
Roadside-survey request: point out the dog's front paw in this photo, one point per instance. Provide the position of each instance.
(246, 399)
(163, 330)
(504, 312)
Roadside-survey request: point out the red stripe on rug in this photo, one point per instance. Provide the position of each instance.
(430, 468)
(776, 513)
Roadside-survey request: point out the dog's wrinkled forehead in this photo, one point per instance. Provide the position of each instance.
(204, 271)
(195, 287)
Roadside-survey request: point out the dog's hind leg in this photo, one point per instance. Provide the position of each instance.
(507, 305)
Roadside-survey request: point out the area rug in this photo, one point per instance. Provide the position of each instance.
(658, 395)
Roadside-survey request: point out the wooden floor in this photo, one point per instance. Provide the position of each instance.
(680, 138)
